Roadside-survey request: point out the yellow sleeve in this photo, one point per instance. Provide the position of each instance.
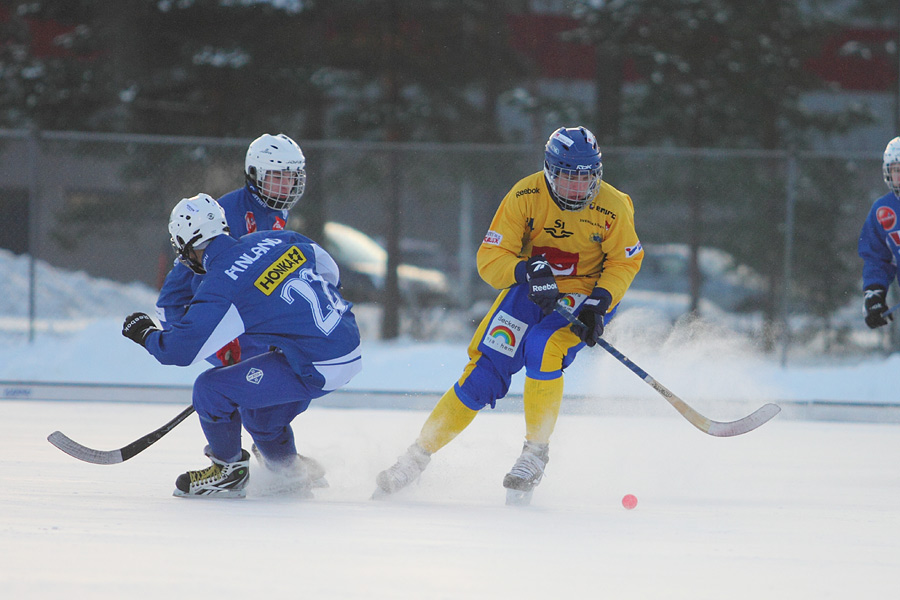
(501, 249)
(624, 253)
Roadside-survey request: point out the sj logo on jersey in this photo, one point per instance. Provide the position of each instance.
(558, 230)
(283, 266)
(504, 334)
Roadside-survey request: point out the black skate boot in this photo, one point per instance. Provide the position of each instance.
(221, 480)
(407, 469)
(526, 473)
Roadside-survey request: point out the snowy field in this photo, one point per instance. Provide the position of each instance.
(793, 510)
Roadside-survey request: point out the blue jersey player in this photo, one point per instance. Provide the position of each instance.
(275, 173)
(879, 242)
(279, 289)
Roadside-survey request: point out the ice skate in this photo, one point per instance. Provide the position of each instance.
(221, 480)
(526, 473)
(288, 478)
(314, 469)
(403, 472)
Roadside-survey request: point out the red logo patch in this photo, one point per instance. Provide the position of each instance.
(250, 218)
(562, 263)
(279, 224)
(886, 217)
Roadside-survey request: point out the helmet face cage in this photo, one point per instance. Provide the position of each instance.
(192, 224)
(891, 157)
(275, 169)
(573, 167)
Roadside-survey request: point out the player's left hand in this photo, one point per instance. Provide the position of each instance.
(230, 353)
(593, 316)
(137, 327)
(876, 306)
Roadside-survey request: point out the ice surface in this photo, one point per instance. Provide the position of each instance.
(793, 510)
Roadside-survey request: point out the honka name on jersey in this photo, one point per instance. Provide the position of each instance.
(275, 273)
(245, 260)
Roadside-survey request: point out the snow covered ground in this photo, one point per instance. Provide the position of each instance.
(797, 509)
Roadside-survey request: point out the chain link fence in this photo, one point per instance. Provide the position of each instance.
(767, 238)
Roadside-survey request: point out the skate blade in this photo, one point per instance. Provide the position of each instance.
(225, 495)
(302, 492)
(380, 494)
(518, 497)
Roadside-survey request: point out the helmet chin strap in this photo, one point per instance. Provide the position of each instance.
(185, 255)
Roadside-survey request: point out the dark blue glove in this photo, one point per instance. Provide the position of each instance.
(593, 316)
(542, 288)
(876, 305)
(137, 327)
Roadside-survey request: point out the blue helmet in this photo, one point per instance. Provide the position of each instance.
(573, 167)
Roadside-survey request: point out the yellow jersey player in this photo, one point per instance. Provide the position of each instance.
(560, 236)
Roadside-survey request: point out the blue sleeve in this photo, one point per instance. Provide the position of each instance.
(878, 260)
(175, 295)
(211, 322)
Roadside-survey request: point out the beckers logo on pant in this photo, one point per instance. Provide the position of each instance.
(504, 334)
(254, 375)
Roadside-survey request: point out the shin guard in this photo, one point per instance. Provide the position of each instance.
(542, 401)
(448, 418)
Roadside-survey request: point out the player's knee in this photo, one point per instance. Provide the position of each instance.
(476, 398)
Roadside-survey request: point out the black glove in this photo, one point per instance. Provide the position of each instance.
(137, 327)
(542, 288)
(593, 316)
(876, 306)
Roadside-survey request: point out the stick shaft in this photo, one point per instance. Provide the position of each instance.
(714, 428)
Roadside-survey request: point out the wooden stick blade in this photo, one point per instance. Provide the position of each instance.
(759, 417)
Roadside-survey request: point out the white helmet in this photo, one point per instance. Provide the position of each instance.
(891, 156)
(192, 224)
(280, 158)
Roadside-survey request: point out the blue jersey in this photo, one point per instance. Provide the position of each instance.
(278, 289)
(879, 242)
(245, 213)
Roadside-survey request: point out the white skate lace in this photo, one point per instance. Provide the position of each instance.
(527, 467)
(404, 471)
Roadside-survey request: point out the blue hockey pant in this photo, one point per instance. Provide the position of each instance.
(264, 394)
(515, 334)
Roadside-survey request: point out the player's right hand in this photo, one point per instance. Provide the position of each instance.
(542, 288)
(137, 327)
(876, 306)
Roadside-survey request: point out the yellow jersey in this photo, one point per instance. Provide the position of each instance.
(596, 246)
